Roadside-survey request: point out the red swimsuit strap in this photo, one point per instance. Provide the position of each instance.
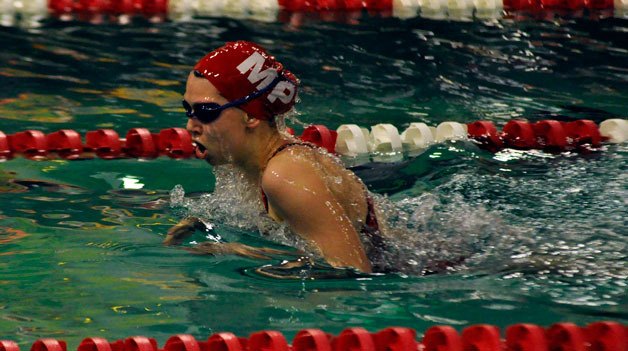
(371, 218)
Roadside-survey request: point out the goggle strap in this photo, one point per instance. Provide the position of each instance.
(254, 95)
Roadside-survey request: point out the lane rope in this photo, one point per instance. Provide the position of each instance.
(31, 12)
(598, 336)
(382, 141)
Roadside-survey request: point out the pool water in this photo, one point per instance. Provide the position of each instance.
(545, 234)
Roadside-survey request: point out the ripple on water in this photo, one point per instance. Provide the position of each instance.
(558, 221)
(8, 235)
(143, 198)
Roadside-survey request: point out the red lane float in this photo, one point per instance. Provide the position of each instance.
(30, 143)
(86, 6)
(140, 343)
(526, 337)
(481, 337)
(5, 150)
(8, 345)
(312, 340)
(485, 133)
(335, 5)
(176, 142)
(566, 336)
(352, 339)
(225, 342)
(105, 143)
(183, 342)
(583, 132)
(100, 344)
(550, 135)
(66, 142)
(519, 135)
(396, 339)
(267, 340)
(549, 5)
(147, 8)
(141, 143)
(597, 336)
(59, 8)
(173, 142)
(48, 344)
(156, 8)
(442, 338)
(607, 336)
(321, 136)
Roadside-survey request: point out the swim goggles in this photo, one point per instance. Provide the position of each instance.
(210, 111)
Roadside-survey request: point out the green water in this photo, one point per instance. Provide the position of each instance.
(80, 251)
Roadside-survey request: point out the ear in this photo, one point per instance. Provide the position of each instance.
(251, 122)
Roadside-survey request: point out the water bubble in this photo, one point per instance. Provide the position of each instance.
(177, 195)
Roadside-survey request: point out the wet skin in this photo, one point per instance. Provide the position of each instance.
(312, 192)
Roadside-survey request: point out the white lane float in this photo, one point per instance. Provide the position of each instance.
(488, 9)
(451, 131)
(182, 10)
(385, 143)
(433, 9)
(417, 137)
(460, 10)
(615, 130)
(406, 8)
(264, 10)
(352, 140)
(621, 8)
(7, 13)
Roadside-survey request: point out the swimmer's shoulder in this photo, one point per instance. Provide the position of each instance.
(292, 184)
(296, 155)
(305, 162)
(290, 164)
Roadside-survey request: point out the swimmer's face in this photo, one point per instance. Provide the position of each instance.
(216, 142)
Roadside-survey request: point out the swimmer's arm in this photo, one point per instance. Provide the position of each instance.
(189, 225)
(303, 200)
(183, 229)
(262, 253)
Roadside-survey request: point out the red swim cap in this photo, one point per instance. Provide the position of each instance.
(241, 68)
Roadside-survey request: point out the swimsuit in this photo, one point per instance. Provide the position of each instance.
(370, 230)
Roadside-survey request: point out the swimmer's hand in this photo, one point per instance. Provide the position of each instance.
(183, 229)
(211, 248)
(306, 267)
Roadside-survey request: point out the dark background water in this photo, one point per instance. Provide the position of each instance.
(80, 251)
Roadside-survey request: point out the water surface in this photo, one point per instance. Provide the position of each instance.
(80, 251)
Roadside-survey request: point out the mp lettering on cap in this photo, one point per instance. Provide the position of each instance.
(240, 69)
(254, 63)
(284, 91)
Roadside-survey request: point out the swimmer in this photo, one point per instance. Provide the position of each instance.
(234, 98)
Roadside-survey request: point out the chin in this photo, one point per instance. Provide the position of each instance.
(214, 161)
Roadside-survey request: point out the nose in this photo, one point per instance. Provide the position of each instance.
(194, 127)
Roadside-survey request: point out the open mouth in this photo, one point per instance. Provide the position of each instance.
(200, 151)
